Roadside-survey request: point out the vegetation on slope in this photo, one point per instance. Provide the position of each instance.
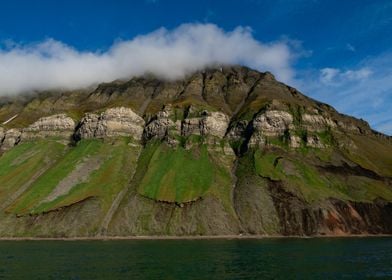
(301, 176)
(50, 179)
(112, 175)
(176, 175)
(352, 165)
(21, 165)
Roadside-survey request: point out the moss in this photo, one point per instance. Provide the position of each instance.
(177, 175)
(181, 140)
(178, 114)
(303, 134)
(313, 185)
(267, 165)
(250, 110)
(325, 155)
(104, 183)
(26, 161)
(49, 180)
(197, 104)
(296, 111)
(197, 139)
(238, 146)
(326, 137)
(371, 153)
(279, 141)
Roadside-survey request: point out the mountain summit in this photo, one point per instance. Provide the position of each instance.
(224, 151)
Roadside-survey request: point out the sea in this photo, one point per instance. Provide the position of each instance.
(268, 258)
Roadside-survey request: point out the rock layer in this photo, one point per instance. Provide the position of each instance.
(203, 123)
(166, 163)
(11, 138)
(113, 122)
(58, 126)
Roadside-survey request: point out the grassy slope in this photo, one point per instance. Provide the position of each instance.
(19, 165)
(305, 179)
(371, 153)
(105, 183)
(166, 174)
(175, 175)
(48, 181)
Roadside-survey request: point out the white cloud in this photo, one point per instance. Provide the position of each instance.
(359, 74)
(327, 75)
(350, 48)
(364, 91)
(334, 76)
(169, 54)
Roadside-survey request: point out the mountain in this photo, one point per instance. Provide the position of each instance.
(224, 151)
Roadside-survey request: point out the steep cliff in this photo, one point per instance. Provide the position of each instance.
(223, 152)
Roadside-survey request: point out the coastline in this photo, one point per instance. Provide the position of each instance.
(190, 237)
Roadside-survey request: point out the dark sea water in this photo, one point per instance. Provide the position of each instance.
(317, 258)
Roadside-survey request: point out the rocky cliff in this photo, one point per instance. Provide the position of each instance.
(112, 122)
(223, 152)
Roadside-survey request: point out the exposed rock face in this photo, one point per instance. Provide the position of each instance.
(2, 134)
(214, 124)
(205, 124)
(295, 141)
(348, 126)
(111, 123)
(314, 142)
(273, 123)
(52, 123)
(160, 126)
(333, 217)
(300, 167)
(267, 124)
(191, 126)
(11, 138)
(237, 131)
(279, 124)
(88, 126)
(314, 122)
(59, 126)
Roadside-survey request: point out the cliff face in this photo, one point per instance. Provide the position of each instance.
(113, 122)
(224, 151)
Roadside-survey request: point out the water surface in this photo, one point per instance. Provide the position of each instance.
(198, 259)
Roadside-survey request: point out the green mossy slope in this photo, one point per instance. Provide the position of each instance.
(307, 178)
(20, 166)
(117, 160)
(176, 175)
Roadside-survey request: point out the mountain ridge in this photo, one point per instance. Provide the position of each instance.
(224, 151)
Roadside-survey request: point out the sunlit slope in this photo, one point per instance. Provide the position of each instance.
(22, 166)
(175, 175)
(313, 176)
(222, 151)
(92, 168)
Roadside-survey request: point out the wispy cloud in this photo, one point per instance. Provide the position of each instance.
(350, 48)
(169, 54)
(334, 76)
(364, 91)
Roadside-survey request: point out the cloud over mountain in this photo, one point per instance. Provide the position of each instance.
(169, 54)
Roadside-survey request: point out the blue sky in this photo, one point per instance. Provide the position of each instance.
(339, 52)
